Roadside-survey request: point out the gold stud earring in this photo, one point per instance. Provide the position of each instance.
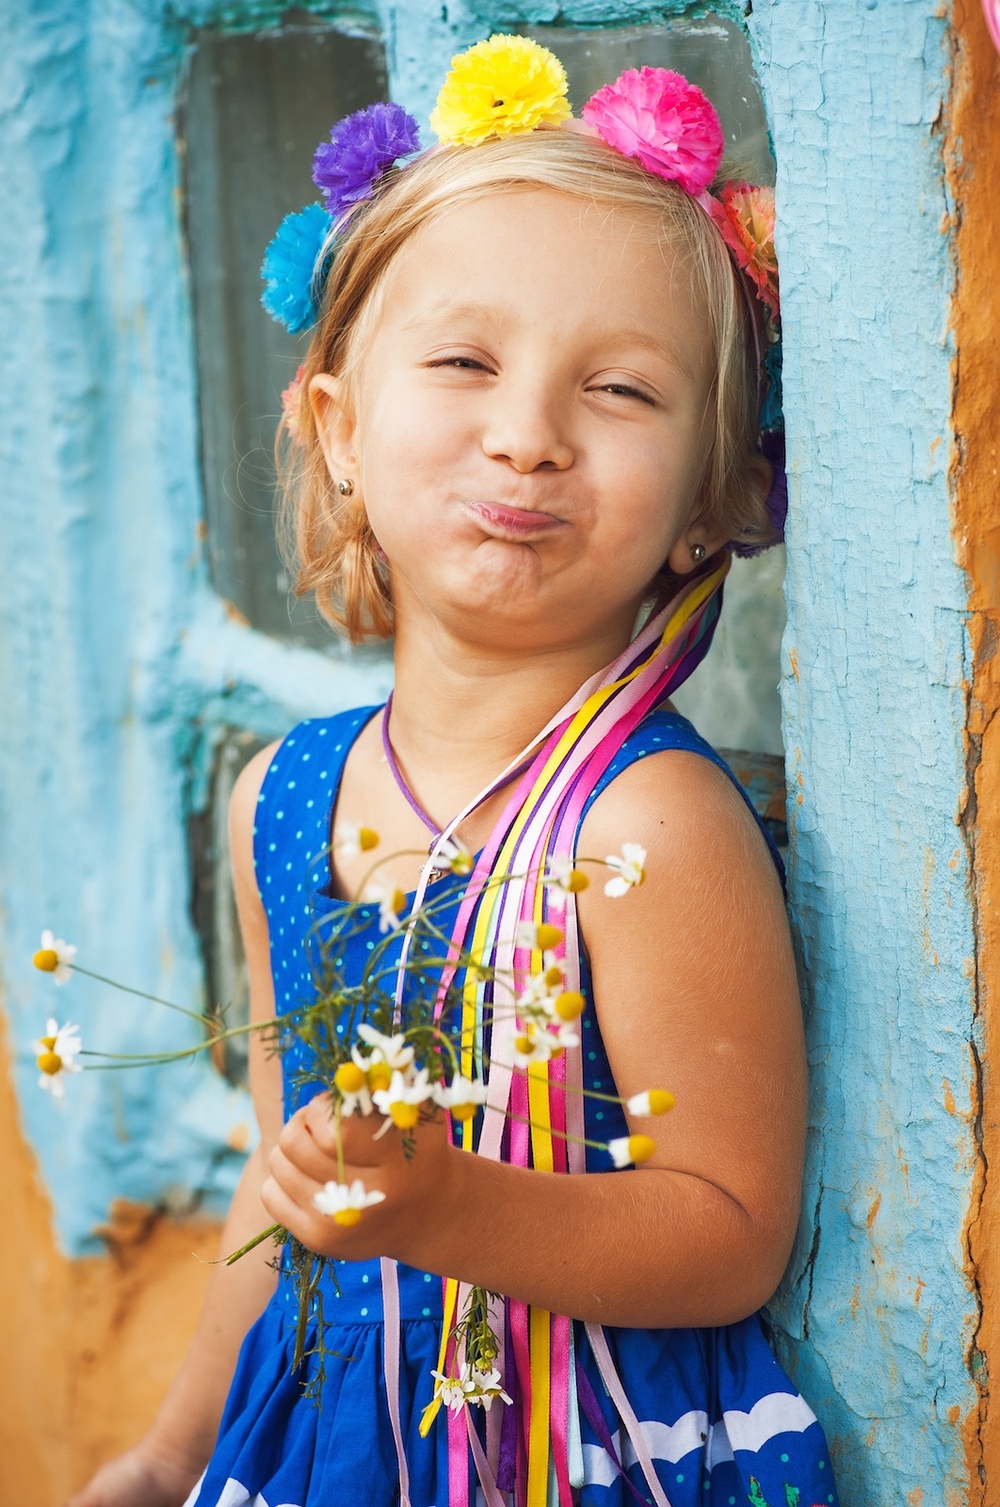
(697, 553)
(346, 488)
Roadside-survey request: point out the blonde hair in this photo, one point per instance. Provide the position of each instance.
(326, 537)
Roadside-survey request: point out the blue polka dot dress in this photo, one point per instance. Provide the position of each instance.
(721, 1421)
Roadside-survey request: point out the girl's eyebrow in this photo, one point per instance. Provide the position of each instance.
(445, 309)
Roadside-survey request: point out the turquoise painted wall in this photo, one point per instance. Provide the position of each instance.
(118, 665)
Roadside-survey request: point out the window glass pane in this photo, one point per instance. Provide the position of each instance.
(255, 107)
(710, 51)
(213, 905)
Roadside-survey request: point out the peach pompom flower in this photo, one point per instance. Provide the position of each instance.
(667, 124)
(745, 217)
(498, 88)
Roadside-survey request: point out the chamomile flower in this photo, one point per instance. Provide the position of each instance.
(629, 1149)
(629, 871)
(351, 839)
(537, 1000)
(534, 1043)
(462, 1096)
(539, 936)
(452, 855)
(392, 1050)
(472, 1387)
(563, 877)
(345, 1203)
(351, 1082)
(55, 956)
(655, 1101)
(401, 1101)
(391, 902)
(56, 1053)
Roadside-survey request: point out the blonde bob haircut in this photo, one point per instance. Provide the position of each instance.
(326, 537)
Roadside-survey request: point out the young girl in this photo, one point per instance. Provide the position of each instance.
(525, 437)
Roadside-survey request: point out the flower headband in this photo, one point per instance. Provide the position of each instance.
(509, 85)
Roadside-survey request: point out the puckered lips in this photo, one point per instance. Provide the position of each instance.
(502, 521)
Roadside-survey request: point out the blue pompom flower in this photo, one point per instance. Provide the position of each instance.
(290, 271)
(361, 148)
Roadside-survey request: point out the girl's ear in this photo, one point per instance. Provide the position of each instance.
(697, 542)
(334, 425)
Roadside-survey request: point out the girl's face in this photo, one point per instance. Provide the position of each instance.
(529, 428)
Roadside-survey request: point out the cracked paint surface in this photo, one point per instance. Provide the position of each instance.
(118, 665)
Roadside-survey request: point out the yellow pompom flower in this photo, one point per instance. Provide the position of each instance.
(499, 88)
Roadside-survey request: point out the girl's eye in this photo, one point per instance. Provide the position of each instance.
(623, 390)
(462, 363)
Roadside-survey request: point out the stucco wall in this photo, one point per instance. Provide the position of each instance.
(117, 665)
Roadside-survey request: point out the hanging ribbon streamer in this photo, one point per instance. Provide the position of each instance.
(540, 823)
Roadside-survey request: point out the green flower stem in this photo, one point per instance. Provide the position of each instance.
(139, 993)
(271, 1231)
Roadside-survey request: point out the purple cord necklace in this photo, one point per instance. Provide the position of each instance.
(397, 775)
(410, 798)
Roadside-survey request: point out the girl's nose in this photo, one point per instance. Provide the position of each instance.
(526, 431)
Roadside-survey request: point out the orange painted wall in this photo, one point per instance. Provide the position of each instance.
(88, 1346)
(974, 163)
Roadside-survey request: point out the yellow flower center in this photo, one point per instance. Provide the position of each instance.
(347, 1216)
(379, 1076)
(367, 839)
(660, 1101)
(349, 1078)
(404, 1115)
(553, 976)
(576, 881)
(548, 936)
(569, 1005)
(49, 1062)
(641, 1147)
(523, 1044)
(46, 959)
(462, 1111)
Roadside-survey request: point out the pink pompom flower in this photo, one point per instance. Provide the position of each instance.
(668, 124)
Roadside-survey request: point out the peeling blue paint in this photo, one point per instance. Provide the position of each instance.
(117, 664)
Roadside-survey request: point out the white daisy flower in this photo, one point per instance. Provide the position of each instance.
(452, 854)
(539, 936)
(392, 1050)
(351, 1082)
(345, 1203)
(401, 1101)
(627, 1149)
(655, 1101)
(488, 1386)
(535, 1044)
(563, 876)
(351, 840)
(473, 1386)
(55, 956)
(56, 1054)
(629, 871)
(391, 902)
(462, 1096)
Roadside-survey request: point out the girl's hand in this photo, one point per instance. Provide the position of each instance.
(418, 1188)
(139, 1478)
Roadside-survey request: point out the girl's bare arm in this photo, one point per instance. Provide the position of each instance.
(695, 991)
(161, 1470)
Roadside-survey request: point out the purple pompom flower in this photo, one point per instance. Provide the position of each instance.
(361, 148)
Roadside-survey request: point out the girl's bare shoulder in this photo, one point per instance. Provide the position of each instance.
(691, 820)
